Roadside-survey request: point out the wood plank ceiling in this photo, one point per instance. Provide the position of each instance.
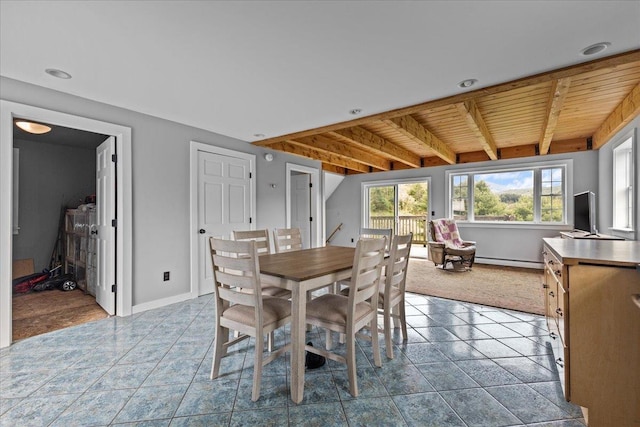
(570, 109)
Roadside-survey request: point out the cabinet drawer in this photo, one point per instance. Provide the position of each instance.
(561, 313)
(553, 264)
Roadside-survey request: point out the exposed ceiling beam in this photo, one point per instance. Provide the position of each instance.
(305, 151)
(598, 64)
(408, 126)
(328, 145)
(557, 95)
(626, 111)
(471, 114)
(372, 141)
(334, 169)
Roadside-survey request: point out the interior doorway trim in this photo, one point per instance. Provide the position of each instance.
(316, 201)
(124, 254)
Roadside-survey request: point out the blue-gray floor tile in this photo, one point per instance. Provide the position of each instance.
(373, 412)
(149, 403)
(527, 404)
(487, 373)
(318, 415)
(427, 410)
(477, 407)
(446, 376)
(260, 418)
(94, 409)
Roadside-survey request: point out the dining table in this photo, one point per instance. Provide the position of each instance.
(300, 272)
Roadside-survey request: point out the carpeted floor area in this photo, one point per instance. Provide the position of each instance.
(497, 286)
(36, 313)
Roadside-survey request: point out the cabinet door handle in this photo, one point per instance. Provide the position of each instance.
(560, 362)
(559, 311)
(551, 294)
(553, 335)
(636, 299)
(558, 273)
(550, 262)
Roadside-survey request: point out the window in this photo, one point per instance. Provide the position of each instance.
(534, 195)
(402, 206)
(623, 178)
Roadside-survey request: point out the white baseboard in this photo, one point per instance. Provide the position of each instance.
(510, 263)
(139, 308)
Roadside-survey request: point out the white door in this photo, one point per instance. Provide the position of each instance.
(301, 206)
(105, 214)
(224, 205)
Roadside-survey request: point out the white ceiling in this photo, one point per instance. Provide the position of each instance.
(276, 67)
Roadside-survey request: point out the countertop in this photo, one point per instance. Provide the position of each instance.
(625, 253)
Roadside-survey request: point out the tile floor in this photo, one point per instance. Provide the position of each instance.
(463, 365)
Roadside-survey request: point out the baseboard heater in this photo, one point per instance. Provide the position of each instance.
(510, 262)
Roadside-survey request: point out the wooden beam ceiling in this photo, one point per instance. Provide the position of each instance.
(559, 91)
(471, 115)
(624, 112)
(548, 113)
(413, 130)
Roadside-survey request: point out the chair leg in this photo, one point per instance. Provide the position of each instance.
(328, 340)
(403, 320)
(221, 338)
(257, 367)
(375, 344)
(270, 340)
(351, 362)
(387, 333)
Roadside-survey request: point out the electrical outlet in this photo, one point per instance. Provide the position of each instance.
(166, 276)
(433, 213)
(352, 240)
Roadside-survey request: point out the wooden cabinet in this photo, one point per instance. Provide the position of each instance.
(595, 325)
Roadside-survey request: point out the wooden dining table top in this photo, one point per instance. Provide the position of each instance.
(307, 263)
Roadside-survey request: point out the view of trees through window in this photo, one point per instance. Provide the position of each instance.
(408, 216)
(510, 196)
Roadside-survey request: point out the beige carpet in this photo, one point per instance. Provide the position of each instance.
(505, 287)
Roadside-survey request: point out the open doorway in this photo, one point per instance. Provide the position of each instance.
(120, 265)
(303, 203)
(54, 230)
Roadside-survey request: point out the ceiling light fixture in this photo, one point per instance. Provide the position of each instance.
(467, 83)
(58, 73)
(259, 135)
(595, 48)
(35, 128)
(355, 111)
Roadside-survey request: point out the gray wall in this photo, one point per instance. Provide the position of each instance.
(604, 196)
(521, 244)
(160, 164)
(50, 177)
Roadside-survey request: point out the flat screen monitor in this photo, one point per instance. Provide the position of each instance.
(584, 212)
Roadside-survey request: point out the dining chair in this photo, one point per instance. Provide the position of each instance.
(377, 232)
(241, 305)
(391, 292)
(391, 295)
(263, 245)
(349, 314)
(366, 233)
(287, 239)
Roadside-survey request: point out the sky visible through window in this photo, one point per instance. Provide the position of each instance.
(507, 181)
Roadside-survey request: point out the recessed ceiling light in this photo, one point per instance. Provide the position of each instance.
(595, 48)
(35, 128)
(57, 73)
(259, 135)
(467, 83)
(355, 111)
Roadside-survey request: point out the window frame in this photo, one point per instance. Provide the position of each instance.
(627, 232)
(567, 171)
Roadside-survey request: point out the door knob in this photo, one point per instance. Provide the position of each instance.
(201, 231)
